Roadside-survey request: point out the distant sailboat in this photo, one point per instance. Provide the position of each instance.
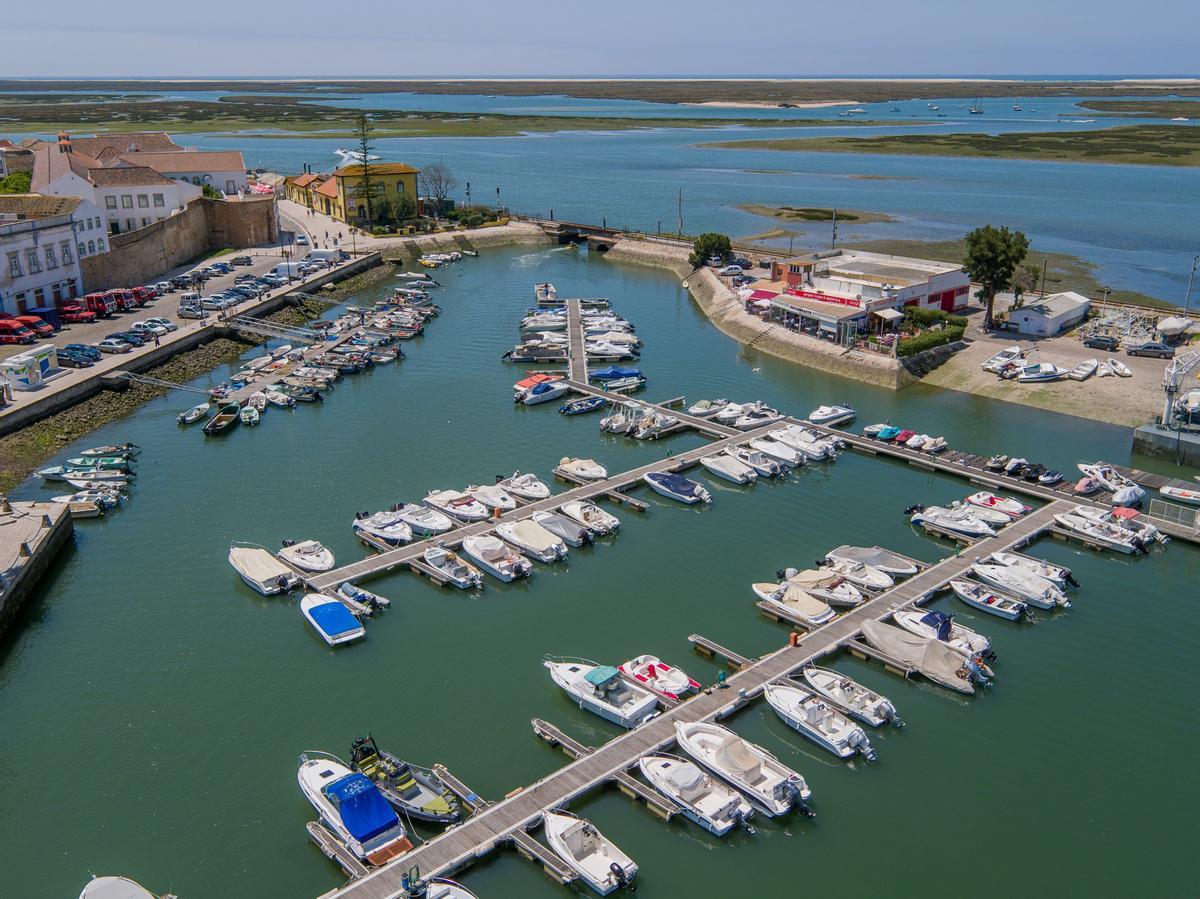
(976, 107)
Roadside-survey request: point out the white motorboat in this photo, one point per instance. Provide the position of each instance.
(1181, 494)
(780, 452)
(541, 393)
(653, 425)
(704, 799)
(458, 505)
(591, 516)
(115, 887)
(934, 445)
(812, 445)
(525, 486)
(493, 496)
(1010, 507)
(389, 527)
(86, 477)
(810, 715)
(1106, 535)
(456, 570)
(626, 418)
(530, 537)
(757, 416)
(307, 555)
(276, 398)
(771, 786)
(261, 570)
(102, 499)
(824, 585)
(763, 466)
(656, 675)
(917, 441)
(860, 574)
(1058, 575)
(876, 557)
(194, 414)
(729, 468)
(602, 691)
(1108, 476)
(440, 888)
(706, 408)
(425, 521)
(597, 860)
(587, 469)
(132, 450)
(1084, 370)
(935, 625)
(356, 596)
(331, 619)
(676, 486)
(796, 602)
(352, 808)
(938, 661)
(861, 702)
(1120, 369)
(1039, 372)
(876, 429)
(731, 412)
(991, 517)
(1034, 589)
(1125, 519)
(980, 597)
(959, 521)
(1003, 358)
(832, 415)
(496, 558)
(574, 533)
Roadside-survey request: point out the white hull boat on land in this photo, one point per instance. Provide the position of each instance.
(388, 527)
(1084, 370)
(530, 537)
(587, 469)
(307, 555)
(807, 713)
(798, 603)
(496, 558)
(958, 521)
(352, 807)
(860, 574)
(331, 619)
(832, 415)
(655, 674)
(591, 516)
(864, 704)
(704, 799)
(596, 859)
(457, 571)
(602, 691)
(1041, 371)
(980, 597)
(771, 786)
(424, 520)
(934, 625)
(526, 486)
(729, 469)
(458, 505)
(1010, 507)
(261, 570)
(877, 557)
(1120, 369)
(1058, 575)
(940, 663)
(1032, 588)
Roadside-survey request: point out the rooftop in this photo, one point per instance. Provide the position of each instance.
(36, 206)
(899, 271)
(127, 176)
(1057, 303)
(376, 168)
(187, 161)
(327, 188)
(125, 142)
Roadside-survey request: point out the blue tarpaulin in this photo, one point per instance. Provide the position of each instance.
(675, 483)
(940, 622)
(334, 619)
(364, 811)
(612, 372)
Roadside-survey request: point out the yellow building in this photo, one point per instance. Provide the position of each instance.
(389, 181)
(299, 188)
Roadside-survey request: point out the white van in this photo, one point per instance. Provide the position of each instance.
(288, 269)
(324, 256)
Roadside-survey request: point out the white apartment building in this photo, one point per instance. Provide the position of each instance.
(38, 261)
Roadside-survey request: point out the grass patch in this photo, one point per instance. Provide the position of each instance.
(1148, 108)
(815, 214)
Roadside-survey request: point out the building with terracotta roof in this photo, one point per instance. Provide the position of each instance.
(344, 194)
(299, 188)
(38, 263)
(224, 170)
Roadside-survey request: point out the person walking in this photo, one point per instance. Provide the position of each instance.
(156, 343)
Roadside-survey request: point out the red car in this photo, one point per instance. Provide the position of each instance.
(12, 331)
(143, 295)
(73, 314)
(36, 325)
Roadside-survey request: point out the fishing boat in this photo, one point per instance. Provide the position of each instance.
(778, 451)
(541, 393)
(938, 661)
(958, 521)
(301, 393)
(331, 619)
(1120, 369)
(598, 861)
(677, 487)
(457, 505)
(860, 574)
(493, 496)
(92, 463)
(423, 520)
(85, 480)
(307, 555)
(453, 568)
(875, 556)
(980, 597)
(656, 675)
(1181, 494)
(796, 602)
(585, 469)
(1058, 575)
(706, 408)
(580, 406)
(1040, 371)
(530, 537)
(417, 792)
(602, 691)
(935, 625)
(771, 786)
(278, 398)
(1105, 535)
(116, 887)
(226, 417)
(113, 449)
(353, 808)
(249, 415)
(526, 486)
(1022, 583)
(810, 715)
(729, 468)
(261, 570)
(704, 799)
(92, 475)
(496, 558)
(591, 516)
(389, 527)
(1084, 370)
(102, 499)
(832, 415)
(757, 462)
(624, 385)
(861, 702)
(193, 415)
(825, 585)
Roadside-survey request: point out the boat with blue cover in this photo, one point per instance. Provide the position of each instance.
(352, 808)
(541, 393)
(578, 407)
(331, 619)
(614, 372)
(675, 486)
(891, 432)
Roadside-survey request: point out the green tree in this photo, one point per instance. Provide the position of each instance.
(405, 208)
(991, 259)
(1024, 281)
(211, 192)
(15, 183)
(710, 244)
(362, 131)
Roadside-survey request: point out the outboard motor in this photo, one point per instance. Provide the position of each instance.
(289, 543)
(618, 874)
(358, 516)
(741, 821)
(1070, 579)
(916, 507)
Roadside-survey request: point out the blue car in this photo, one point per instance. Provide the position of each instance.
(82, 349)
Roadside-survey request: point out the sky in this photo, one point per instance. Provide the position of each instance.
(611, 38)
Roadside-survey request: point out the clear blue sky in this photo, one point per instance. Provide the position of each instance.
(607, 38)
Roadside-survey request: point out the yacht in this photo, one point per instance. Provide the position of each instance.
(958, 521)
(1034, 589)
(530, 537)
(862, 703)
(453, 568)
(496, 558)
(655, 674)
(935, 625)
(525, 486)
(771, 786)
(704, 799)
(493, 496)
(763, 466)
(564, 528)
(391, 528)
(809, 714)
(877, 557)
(597, 860)
(796, 602)
(591, 516)
(729, 468)
(832, 415)
(458, 505)
(307, 555)
(601, 690)
(675, 486)
(261, 570)
(860, 574)
(331, 619)
(980, 597)
(352, 808)
(586, 469)
(423, 520)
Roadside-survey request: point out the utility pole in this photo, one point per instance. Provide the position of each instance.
(1191, 275)
(681, 213)
(833, 242)
(1042, 291)
(791, 243)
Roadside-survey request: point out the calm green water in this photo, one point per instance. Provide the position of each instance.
(152, 706)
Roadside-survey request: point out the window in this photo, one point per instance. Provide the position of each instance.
(39, 296)
(91, 246)
(110, 202)
(66, 252)
(130, 224)
(99, 245)
(83, 248)
(143, 201)
(126, 201)
(14, 265)
(399, 187)
(31, 262)
(230, 187)
(145, 222)
(51, 260)
(159, 201)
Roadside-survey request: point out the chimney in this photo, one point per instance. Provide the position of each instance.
(64, 142)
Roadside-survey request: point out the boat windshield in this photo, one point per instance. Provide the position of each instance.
(602, 676)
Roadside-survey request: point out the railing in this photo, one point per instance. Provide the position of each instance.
(1175, 514)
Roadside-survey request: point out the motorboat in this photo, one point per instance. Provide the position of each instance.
(353, 809)
(958, 521)
(704, 799)
(591, 516)
(439, 888)
(132, 450)
(1006, 356)
(87, 478)
(938, 661)
(860, 702)
(226, 417)
(615, 372)
(1040, 371)
(457, 505)
(758, 462)
(1108, 476)
(626, 419)
(780, 452)
(453, 568)
(832, 415)
(530, 537)
(567, 529)
(806, 712)
(525, 486)
(116, 887)
(541, 393)
(580, 406)
(980, 597)
(261, 570)
(102, 499)
(656, 675)
(249, 416)
(772, 787)
(424, 520)
(934, 445)
(496, 558)
(706, 408)
(392, 528)
(731, 412)
(585, 469)
(996, 463)
(1022, 583)
(1124, 518)
(860, 574)
(1086, 486)
(1107, 535)
(257, 400)
(417, 792)
(1058, 575)
(1181, 494)
(729, 468)
(917, 441)
(654, 425)
(757, 416)
(331, 619)
(1128, 496)
(105, 463)
(676, 486)
(935, 625)
(796, 602)
(877, 557)
(597, 860)
(307, 555)
(904, 436)
(603, 691)
(493, 496)
(1120, 369)
(875, 430)
(891, 432)
(1010, 507)
(360, 597)
(532, 379)
(991, 517)
(194, 414)
(825, 585)
(815, 445)
(1084, 370)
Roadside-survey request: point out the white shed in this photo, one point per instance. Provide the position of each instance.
(1051, 314)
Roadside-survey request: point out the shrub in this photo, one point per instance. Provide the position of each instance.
(927, 317)
(15, 183)
(710, 244)
(927, 340)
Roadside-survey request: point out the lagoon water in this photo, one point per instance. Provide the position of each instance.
(153, 706)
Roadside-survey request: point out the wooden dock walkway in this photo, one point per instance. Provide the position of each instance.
(703, 425)
(577, 364)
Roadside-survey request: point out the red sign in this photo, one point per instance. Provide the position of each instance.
(825, 297)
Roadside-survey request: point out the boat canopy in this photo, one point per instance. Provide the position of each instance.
(939, 621)
(602, 675)
(364, 811)
(811, 579)
(333, 618)
(675, 483)
(612, 372)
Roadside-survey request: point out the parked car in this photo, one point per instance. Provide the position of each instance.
(146, 329)
(101, 304)
(83, 349)
(113, 345)
(221, 268)
(740, 260)
(73, 314)
(730, 270)
(241, 260)
(181, 282)
(213, 303)
(73, 360)
(164, 288)
(128, 337)
(190, 311)
(1102, 342)
(301, 240)
(14, 332)
(163, 323)
(1151, 348)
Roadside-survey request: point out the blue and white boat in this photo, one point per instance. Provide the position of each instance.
(1041, 371)
(331, 619)
(578, 407)
(352, 808)
(601, 690)
(541, 393)
(614, 372)
(675, 486)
